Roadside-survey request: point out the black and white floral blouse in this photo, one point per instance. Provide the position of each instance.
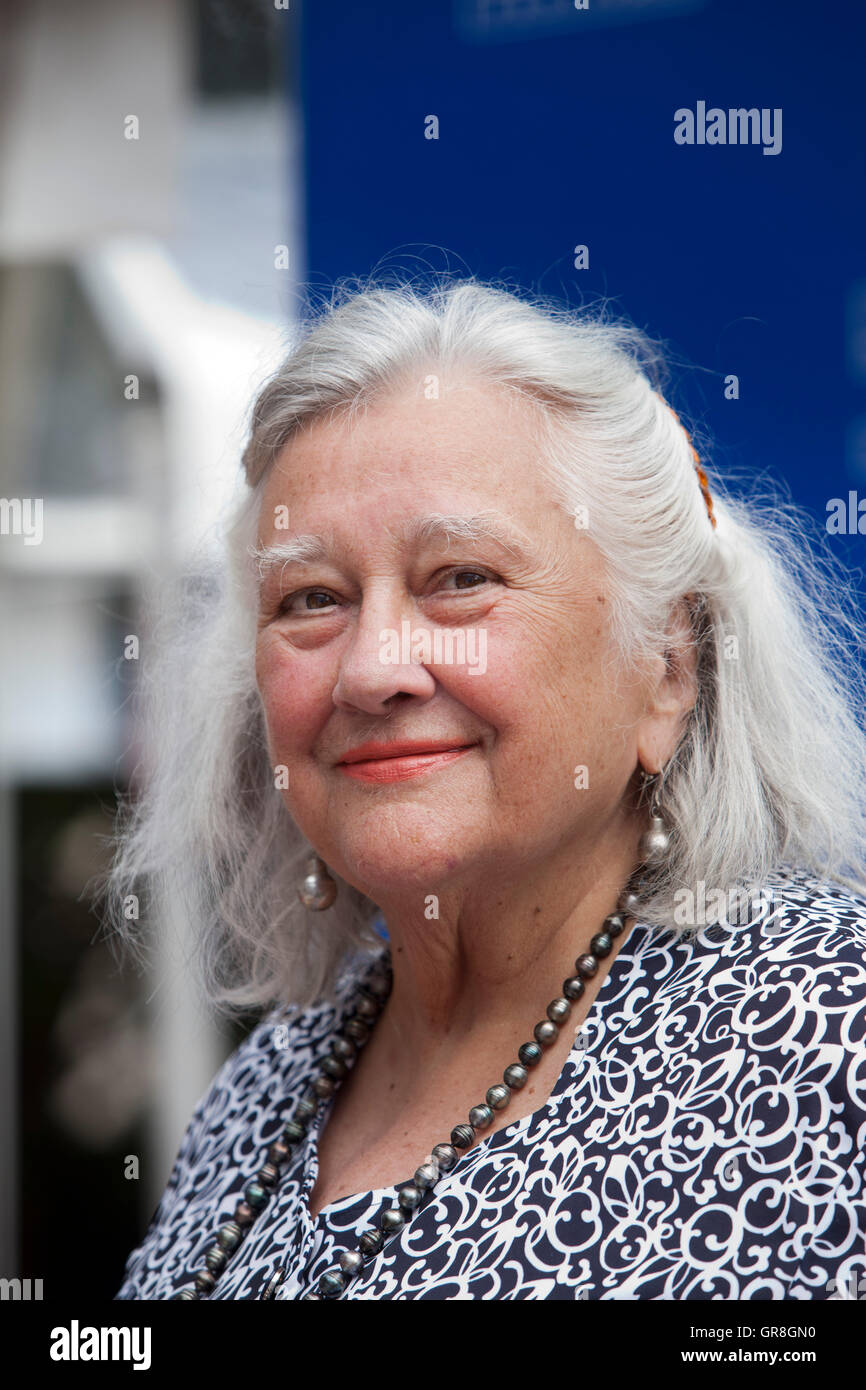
(705, 1139)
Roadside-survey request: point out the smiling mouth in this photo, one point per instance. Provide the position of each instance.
(403, 765)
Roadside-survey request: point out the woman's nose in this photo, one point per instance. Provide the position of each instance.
(376, 662)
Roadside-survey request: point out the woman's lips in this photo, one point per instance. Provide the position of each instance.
(399, 769)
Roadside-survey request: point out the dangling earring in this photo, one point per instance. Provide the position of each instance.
(318, 890)
(653, 848)
(655, 842)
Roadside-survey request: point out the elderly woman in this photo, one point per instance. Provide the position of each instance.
(518, 779)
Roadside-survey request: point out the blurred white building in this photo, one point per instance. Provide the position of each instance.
(142, 300)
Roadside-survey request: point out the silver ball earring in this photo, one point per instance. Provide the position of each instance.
(655, 843)
(318, 890)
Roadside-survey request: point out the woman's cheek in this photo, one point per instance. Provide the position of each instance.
(274, 685)
(490, 682)
(266, 660)
(296, 702)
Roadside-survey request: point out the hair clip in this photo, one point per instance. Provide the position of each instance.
(702, 477)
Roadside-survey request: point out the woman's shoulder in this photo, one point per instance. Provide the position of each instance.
(805, 898)
(791, 913)
(782, 976)
(274, 1062)
(285, 1043)
(795, 913)
(785, 961)
(262, 1077)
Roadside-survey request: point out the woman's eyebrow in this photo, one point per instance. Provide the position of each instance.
(310, 549)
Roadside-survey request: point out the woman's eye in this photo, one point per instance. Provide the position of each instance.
(459, 575)
(310, 600)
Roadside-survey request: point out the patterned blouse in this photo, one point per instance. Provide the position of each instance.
(705, 1139)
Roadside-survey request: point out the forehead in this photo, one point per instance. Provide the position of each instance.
(471, 442)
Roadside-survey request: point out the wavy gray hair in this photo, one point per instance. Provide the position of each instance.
(770, 770)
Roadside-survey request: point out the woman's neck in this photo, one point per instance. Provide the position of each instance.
(486, 967)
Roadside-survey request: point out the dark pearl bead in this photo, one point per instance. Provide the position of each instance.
(392, 1220)
(462, 1136)
(446, 1156)
(215, 1259)
(515, 1076)
(230, 1236)
(350, 1263)
(546, 1032)
(205, 1281)
(185, 1295)
(371, 1241)
(366, 1008)
(332, 1066)
(480, 1116)
(278, 1152)
(357, 1030)
(586, 966)
(601, 944)
(498, 1096)
(324, 1087)
(331, 1284)
(573, 987)
(255, 1195)
(341, 1047)
(529, 1054)
(426, 1176)
(558, 1010)
(268, 1175)
(304, 1111)
(410, 1197)
(293, 1132)
(614, 925)
(244, 1214)
(378, 985)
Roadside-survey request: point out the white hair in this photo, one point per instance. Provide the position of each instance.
(770, 770)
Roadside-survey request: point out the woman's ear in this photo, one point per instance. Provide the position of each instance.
(673, 691)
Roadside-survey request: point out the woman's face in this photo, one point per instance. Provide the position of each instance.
(530, 699)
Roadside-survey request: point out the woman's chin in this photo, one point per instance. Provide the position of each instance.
(397, 874)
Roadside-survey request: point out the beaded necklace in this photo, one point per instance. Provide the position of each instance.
(368, 1002)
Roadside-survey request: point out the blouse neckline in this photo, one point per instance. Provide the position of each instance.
(500, 1137)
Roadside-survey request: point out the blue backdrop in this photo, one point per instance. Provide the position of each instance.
(556, 129)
